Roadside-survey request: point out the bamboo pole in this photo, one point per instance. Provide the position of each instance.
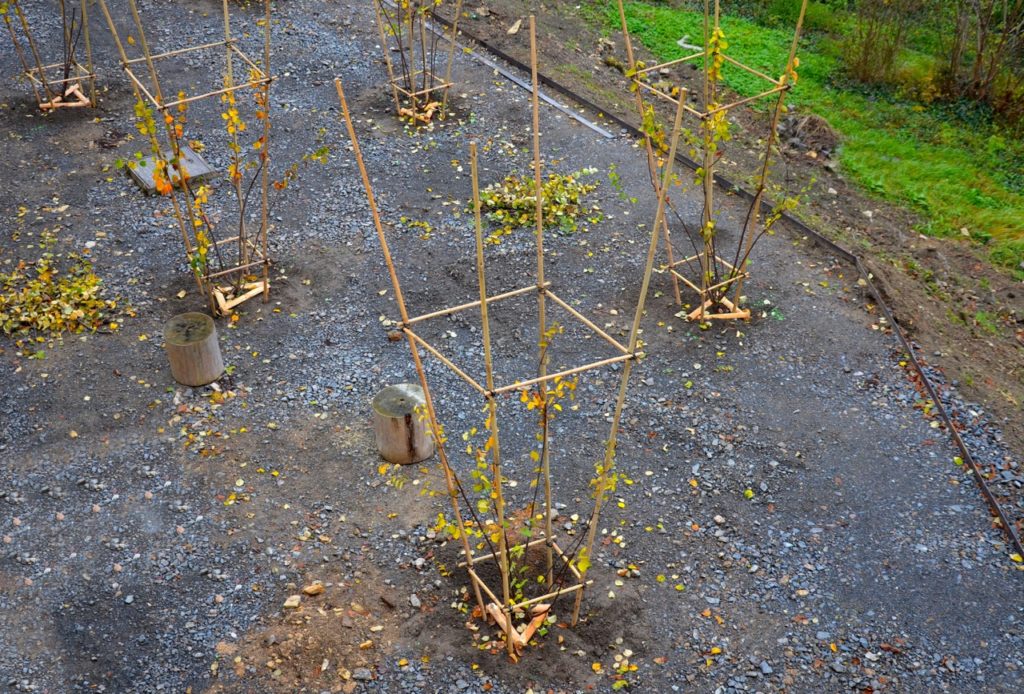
(492, 403)
(446, 361)
(670, 63)
(474, 304)
(155, 144)
(88, 54)
(587, 322)
(751, 70)
(747, 100)
(387, 53)
(649, 146)
(21, 57)
(634, 336)
(521, 385)
(435, 427)
(178, 51)
(542, 323)
(265, 156)
(451, 56)
(34, 50)
(755, 213)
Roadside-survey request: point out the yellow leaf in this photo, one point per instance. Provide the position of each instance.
(596, 667)
(1017, 558)
(716, 650)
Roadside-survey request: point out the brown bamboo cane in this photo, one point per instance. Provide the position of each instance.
(387, 53)
(435, 427)
(21, 57)
(649, 147)
(634, 336)
(265, 153)
(542, 321)
(236, 180)
(157, 150)
(451, 56)
(88, 54)
(34, 50)
(473, 304)
(204, 285)
(177, 51)
(492, 403)
(755, 214)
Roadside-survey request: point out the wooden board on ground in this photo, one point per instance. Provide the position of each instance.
(142, 171)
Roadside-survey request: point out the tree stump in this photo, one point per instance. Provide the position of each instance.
(191, 343)
(400, 426)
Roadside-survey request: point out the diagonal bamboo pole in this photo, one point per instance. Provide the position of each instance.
(88, 53)
(542, 321)
(755, 212)
(35, 51)
(649, 147)
(492, 408)
(451, 55)
(634, 336)
(265, 156)
(21, 57)
(435, 427)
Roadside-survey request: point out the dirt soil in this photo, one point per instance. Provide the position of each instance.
(791, 516)
(935, 287)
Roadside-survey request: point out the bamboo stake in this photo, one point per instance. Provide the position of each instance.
(88, 54)
(474, 304)
(451, 55)
(179, 51)
(587, 322)
(542, 323)
(649, 146)
(35, 51)
(634, 335)
(21, 56)
(670, 63)
(755, 213)
(265, 156)
(521, 385)
(751, 70)
(157, 149)
(435, 427)
(447, 362)
(387, 53)
(492, 403)
(225, 90)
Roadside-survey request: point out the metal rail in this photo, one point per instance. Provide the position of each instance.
(821, 240)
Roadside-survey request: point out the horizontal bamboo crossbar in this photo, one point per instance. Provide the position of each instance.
(444, 360)
(241, 54)
(480, 582)
(230, 270)
(224, 90)
(179, 51)
(670, 63)
(587, 322)
(547, 596)
(421, 92)
(474, 304)
(663, 95)
(751, 70)
(491, 555)
(140, 85)
(727, 107)
(520, 385)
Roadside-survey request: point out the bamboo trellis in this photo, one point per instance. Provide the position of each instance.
(501, 607)
(55, 85)
(417, 89)
(243, 259)
(717, 277)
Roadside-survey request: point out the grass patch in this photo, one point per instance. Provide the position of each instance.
(947, 162)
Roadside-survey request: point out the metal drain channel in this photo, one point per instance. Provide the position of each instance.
(802, 228)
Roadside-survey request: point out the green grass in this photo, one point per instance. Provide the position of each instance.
(949, 164)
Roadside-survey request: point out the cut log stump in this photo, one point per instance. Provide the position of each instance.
(191, 343)
(400, 426)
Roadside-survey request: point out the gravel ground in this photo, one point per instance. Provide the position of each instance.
(155, 549)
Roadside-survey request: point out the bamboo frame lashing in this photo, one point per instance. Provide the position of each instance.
(435, 428)
(251, 254)
(52, 99)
